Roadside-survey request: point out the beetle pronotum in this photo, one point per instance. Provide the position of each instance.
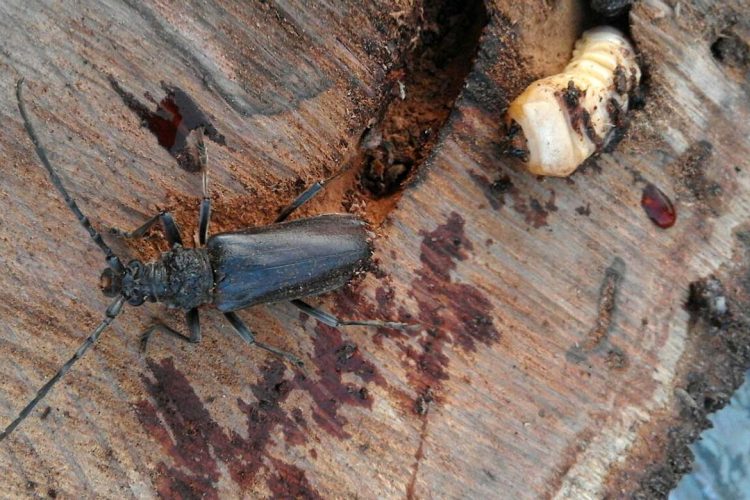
(561, 120)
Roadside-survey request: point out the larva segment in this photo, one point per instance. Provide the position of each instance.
(561, 120)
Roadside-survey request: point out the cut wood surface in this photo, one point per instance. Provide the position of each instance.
(553, 331)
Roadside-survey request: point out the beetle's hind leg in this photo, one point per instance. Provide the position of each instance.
(171, 231)
(331, 320)
(193, 323)
(248, 336)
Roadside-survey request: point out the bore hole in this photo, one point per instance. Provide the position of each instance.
(424, 89)
(731, 50)
(613, 13)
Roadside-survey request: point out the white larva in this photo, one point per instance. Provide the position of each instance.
(561, 120)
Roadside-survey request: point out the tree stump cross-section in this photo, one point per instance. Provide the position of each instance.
(554, 348)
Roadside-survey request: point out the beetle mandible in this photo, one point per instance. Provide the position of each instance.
(284, 261)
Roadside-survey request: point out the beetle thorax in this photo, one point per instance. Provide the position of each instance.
(181, 278)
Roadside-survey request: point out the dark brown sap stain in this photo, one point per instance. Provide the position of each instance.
(450, 313)
(533, 210)
(177, 123)
(418, 456)
(199, 448)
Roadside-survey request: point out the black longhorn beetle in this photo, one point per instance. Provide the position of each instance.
(284, 261)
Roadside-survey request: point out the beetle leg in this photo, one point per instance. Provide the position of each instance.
(171, 230)
(248, 336)
(193, 325)
(331, 320)
(303, 198)
(203, 219)
(205, 212)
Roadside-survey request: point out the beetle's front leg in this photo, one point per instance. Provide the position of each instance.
(171, 231)
(331, 320)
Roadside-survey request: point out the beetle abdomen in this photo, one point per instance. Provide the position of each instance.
(286, 261)
(561, 120)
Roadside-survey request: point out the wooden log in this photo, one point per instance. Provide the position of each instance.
(553, 332)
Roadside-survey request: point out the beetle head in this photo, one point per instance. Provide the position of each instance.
(110, 282)
(127, 283)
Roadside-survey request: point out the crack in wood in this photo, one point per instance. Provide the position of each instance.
(310, 82)
(419, 455)
(597, 340)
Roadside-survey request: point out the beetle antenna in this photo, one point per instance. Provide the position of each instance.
(112, 311)
(112, 260)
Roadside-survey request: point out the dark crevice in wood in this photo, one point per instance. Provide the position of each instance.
(420, 93)
(729, 49)
(424, 89)
(614, 13)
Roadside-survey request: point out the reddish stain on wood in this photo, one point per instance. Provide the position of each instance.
(167, 123)
(334, 357)
(451, 313)
(494, 191)
(176, 117)
(289, 481)
(179, 421)
(534, 212)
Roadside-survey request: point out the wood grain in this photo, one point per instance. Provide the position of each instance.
(515, 386)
